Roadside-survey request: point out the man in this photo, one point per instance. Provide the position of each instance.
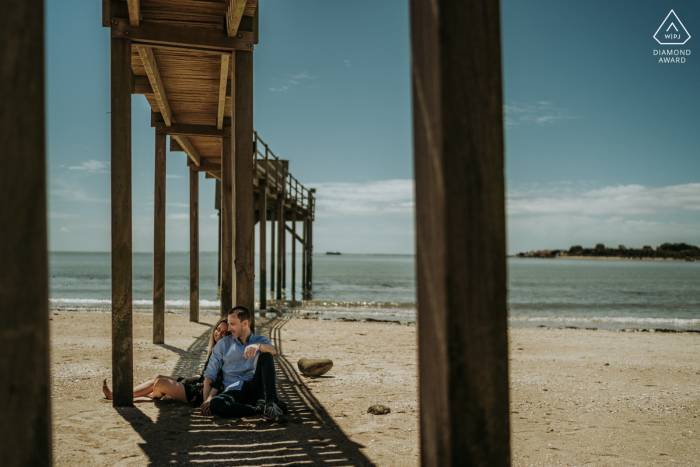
(249, 373)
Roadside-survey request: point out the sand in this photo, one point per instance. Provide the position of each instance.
(577, 397)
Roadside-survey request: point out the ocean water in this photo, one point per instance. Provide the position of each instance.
(541, 292)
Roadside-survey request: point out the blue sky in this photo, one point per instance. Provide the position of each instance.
(600, 138)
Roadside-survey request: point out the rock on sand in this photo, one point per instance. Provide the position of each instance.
(314, 366)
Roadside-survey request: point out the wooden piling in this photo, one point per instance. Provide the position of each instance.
(303, 257)
(273, 270)
(244, 208)
(25, 423)
(226, 226)
(194, 246)
(460, 233)
(262, 209)
(122, 326)
(294, 247)
(280, 243)
(159, 242)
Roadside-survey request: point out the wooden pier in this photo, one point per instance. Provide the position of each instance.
(193, 62)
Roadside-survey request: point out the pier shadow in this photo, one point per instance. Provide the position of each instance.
(181, 435)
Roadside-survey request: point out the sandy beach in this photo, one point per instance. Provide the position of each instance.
(578, 397)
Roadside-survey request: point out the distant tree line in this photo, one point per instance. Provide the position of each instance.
(666, 250)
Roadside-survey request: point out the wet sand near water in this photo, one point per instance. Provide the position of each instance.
(567, 406)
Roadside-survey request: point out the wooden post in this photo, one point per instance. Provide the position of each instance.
(280, 243)
(226, 226)
(273, 216)
(194, 246)
(294, 247)
(244, 208)
(304, 222)
(159, 243)
(122, 313)
(25, 423)
(262, 209)
(460, 233)
(310, 246)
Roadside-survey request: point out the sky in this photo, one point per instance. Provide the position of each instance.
(601, 140)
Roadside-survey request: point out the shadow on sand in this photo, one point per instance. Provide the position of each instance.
(182, 436)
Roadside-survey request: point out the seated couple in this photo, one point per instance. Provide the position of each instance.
(238, 378)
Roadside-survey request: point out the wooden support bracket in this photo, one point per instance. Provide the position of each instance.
(183, 129)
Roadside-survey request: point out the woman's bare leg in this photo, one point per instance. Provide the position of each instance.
(146, 388)
(172, 388)
(143, 389)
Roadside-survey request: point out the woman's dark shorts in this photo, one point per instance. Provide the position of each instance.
(194, 394)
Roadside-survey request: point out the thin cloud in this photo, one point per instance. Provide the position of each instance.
(173, 176)
(621, 200)
(540, 113)
(92, 166)
(292, 80)
(179, 217)
(368, 198)
(66, 192)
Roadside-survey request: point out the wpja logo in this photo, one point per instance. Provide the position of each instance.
(671, 32)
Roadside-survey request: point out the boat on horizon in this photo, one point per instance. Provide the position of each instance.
(332, 252)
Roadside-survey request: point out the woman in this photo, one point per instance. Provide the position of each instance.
(187, 390)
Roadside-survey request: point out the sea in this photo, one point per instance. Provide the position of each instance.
(550, 293)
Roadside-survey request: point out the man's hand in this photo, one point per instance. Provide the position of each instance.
(204, 409)
(251, 350)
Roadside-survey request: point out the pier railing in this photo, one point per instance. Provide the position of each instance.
(275, 170)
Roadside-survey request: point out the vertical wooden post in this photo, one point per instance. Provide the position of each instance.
(194, 246)
(159, 243)
(244, 208)
(226, 226)
(25, 423)
(122, 313)
(280, 243)
(273, 216)
(310, 246)
(294, 247)
(304, 222)
(262, 209)
(460, 232)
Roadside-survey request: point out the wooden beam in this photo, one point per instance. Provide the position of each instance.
(186, 145)
(205, 167)
(460, 232)
(262, 263)
(303, 257)
(122, 296)
(226, 226)
(223, 85)
(244, 209)
(150, 32)
(184, 129)
(149, 63)
(280, 243)
(233, 16)
(216, 175)
(134, 12)
(294, 234)
(159, 243)
(25, 390)
(194, 246)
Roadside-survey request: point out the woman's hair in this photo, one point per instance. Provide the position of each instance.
(212, 342)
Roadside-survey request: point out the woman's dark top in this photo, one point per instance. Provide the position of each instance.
(195, 391)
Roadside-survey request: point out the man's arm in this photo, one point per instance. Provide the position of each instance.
(262, 347)
(215, 361)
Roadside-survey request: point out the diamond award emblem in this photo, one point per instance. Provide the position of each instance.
(672, 31)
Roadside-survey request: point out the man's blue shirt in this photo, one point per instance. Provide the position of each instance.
(227, 355)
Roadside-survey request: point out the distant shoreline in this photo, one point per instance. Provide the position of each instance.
(604, 258)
